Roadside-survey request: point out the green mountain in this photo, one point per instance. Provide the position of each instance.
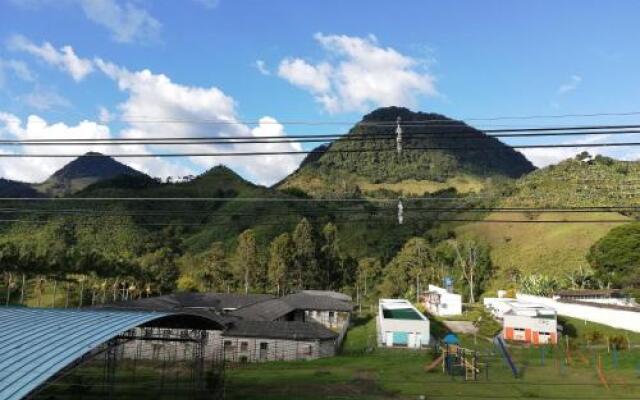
(447, 154)
(9, 188)
(558, 249)
(82, 172)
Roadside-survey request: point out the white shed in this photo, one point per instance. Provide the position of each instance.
(400, 324)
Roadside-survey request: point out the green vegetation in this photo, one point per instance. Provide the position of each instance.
(366, 372)
(616, 256)
(465, 159)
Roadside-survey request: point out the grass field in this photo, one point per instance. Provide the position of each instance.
(540, 248)
(364, 372)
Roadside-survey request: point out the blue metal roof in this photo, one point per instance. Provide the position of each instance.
(35, 343)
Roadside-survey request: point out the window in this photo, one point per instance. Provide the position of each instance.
(244, 346)
(228, 344)
(309, 350)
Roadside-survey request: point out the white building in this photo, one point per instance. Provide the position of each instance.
(439, 301)
(523, 321)
(400, 324)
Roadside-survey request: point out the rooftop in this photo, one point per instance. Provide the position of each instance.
(316, 301)
(294, 330)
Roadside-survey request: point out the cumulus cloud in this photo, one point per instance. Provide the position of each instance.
(569, 86)
(38, 169)
(359, 74)
(64, 58)
(155, 104)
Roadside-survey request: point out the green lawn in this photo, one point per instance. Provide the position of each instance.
(364, 372)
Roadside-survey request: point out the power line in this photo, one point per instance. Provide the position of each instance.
(469, 132)
(502, 147)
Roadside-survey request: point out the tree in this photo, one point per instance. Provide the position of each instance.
(246, 259)
(616, 257)
(331, 270)
(159, 268)
(412, 265)
(306, 263)
(281, 261)
(474, 263)
(368, 273)
(215, 272)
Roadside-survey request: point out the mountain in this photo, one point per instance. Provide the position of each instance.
(9, 188)
(82, 172)
(558, 249)
(450, 154)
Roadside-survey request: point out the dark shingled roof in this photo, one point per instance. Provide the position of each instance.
(294, 330)
(268, 310)
(178, 301)
(305, 301)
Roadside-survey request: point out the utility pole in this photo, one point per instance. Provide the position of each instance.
(398, 136)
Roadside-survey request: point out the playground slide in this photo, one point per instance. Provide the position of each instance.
(434, 364)
(499, 342)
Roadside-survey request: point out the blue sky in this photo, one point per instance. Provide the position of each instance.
(94, 68)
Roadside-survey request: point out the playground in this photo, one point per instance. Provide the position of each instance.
(473, 368)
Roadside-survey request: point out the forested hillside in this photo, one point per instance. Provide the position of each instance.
(221, 232)
(446, 154)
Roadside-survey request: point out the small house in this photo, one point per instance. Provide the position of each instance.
(523, 321)
(441, 302)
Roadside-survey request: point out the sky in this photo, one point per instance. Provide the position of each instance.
(143, 68)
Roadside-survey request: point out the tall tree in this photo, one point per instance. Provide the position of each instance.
(306, 263)
(246, 259)
(474, 263)
(215, 273)
(331, 272)
(281, 258)
(408, 269)
(369, 271)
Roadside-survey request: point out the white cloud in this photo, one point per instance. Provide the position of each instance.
(156, 106)
(38, 169)
(44, 99)
(18, 68)
(262, 67)
(104, 115)
(65, 58)
(126, 22)
(569, 86)
(360, 75)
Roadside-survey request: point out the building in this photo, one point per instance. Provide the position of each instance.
(441, 302)
(523, 321)
(400, 324)
(252, 341)
(254, 327)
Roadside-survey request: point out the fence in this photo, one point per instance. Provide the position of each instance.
(612, 316)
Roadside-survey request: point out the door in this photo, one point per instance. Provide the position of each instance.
(264, 349)
(400, 339)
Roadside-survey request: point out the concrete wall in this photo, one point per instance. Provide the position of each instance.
(334, 320)
(621, 319)
(244, 349)
(530, 329)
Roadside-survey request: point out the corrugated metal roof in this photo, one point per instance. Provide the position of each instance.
(35, 344)
(306, 301)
